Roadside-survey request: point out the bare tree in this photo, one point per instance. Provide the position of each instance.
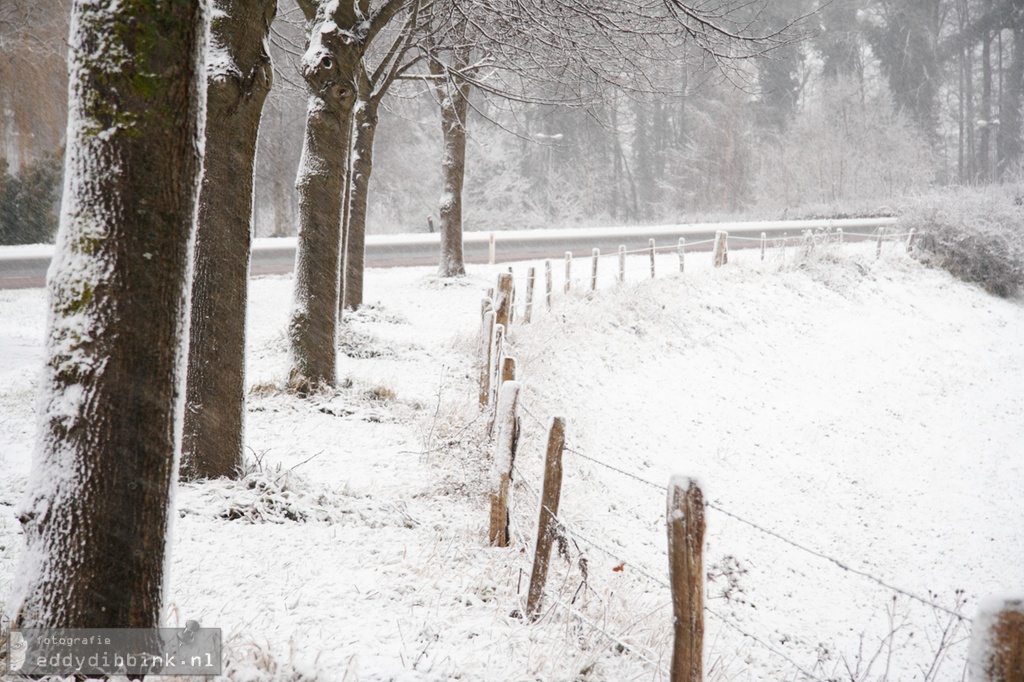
(339, 33)
(96, 512)
(371, 88)
(239, 76)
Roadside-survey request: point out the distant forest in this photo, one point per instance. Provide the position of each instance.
(866, 102)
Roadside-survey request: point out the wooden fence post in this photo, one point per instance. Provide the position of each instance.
(878, 245)
(486, 356)
(528, 312)
(507, 420)
(594, 256)
(548, 281)
(764, 244)
(650, 247)
(686, 576)
(503, 303)
(911, 238)
(496, 359)
(508, 370)
(682, 254)
(997, 641)
(490, 249)
(622, 263)
(511, 299)
(547, 524)
(721, 248)
(839, 235)
(568, 271)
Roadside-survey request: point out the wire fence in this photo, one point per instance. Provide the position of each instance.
(586, 539)
(653, 578)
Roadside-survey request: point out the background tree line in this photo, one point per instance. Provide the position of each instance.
(884, 97)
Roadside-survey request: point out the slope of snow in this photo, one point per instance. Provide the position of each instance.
(868, 410)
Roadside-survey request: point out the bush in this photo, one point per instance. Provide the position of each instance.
(976, 234)
(30, 202)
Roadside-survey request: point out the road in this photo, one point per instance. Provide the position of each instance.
(25, 266)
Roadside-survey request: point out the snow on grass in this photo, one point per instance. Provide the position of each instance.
(868, 410)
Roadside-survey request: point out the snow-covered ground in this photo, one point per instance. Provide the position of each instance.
(870, 411)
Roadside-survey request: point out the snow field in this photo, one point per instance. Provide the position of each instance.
(869, 410)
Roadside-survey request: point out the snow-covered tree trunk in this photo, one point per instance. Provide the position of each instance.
(454, 100)
(364, 129)
(96, 511)
(239, 76)
(329, 67)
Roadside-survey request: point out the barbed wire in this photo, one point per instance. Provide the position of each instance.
(767, 646)
(614, 638)
(646, 574)
(586, 540)
(615, 469)
(839, 563)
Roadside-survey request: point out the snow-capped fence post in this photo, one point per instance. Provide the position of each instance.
(507, 419)
(997, 641)
(496, 359)
(486, 356)
(839, 235)
(622, 263)
(594, 256)
(490, 249)
(878, 245)
(547, 525)
(503, 304)
(650, 247)
(528, 311)
(721, 248)
(548, 282)
(911, 238)
(686, 576)
(682, 254)
(764, 244)
(568, 271)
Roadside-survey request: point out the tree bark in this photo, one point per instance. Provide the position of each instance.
(454, 100)
(1009, 142)
(985, 134)
(338, 37)
(239, 76)
(364, 128)
(96, 513)
(329, 67)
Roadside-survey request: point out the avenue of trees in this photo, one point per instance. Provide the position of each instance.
(144, 377)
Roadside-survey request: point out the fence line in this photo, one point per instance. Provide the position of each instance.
(767, 531)
(810, 239)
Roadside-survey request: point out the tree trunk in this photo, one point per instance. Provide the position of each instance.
(364, 129)
(1010, 109)
(329, 66)
(454, 98)
(985, 134)
(238, 79)
(96, 513)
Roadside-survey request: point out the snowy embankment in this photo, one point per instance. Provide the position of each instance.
(868, 410)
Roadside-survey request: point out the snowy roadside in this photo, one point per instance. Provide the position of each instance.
(868, 410)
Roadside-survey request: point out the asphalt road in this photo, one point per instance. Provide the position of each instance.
(25, 266)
